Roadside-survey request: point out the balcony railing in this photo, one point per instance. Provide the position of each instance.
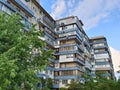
(23, 6)
(101, 52)
(70, 77)
(12, 8)
(55, 85)
(103, 68)
(70, 68)
(101, 63)
(51, 23)
(106, 74)
(97, 42)
(66, 31)
(70, 37)
(80, 61)
(67, 77)
(99, 47)
(41, 22)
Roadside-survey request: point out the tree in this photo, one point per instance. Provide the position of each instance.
(19, 61)
(75, 85)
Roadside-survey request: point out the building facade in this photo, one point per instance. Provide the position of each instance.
(31, 13)
(102, 62)
(71, 63)
(75, 54)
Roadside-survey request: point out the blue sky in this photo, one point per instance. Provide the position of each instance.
(100, 18)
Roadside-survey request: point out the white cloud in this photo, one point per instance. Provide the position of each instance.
(116, 58)
(58, 9)
(91, 12)
(70, 3)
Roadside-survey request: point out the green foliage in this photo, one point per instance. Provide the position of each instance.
(95, 84)
(18, 63)
(63, 88)
(75, 85)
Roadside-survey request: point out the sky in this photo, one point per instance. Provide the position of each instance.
(100, 18)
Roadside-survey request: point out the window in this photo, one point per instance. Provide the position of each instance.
(68, 72)
(51, 72)
(56, 65)
(1, 5)
(69, 56)
(27, 0)
(56, 81)
(64, 82)
(34, 9)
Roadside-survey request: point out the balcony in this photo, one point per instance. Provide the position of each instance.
(70, 77)
(70, 68)
(55, 85)
(66, 45)
(102, 68)
(86, 52)
(70, 37)
(53, 60)
(50, 68)
(12, 8)
(86, 43)
(42, 75)
(23, 7)
(47, 20)
(101, 52)
(106, 75)
(41, 22)
(66, 52)
(66, 30)
(101, 63)
(66, 77)
(100, 47)
(80, 47)
(97, 42)
(50, 36)
(79, 61)
(50, 43)
(92, 74)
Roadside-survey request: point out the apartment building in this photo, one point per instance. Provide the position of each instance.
(75, 54)
(101, 57)
(32, 13)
